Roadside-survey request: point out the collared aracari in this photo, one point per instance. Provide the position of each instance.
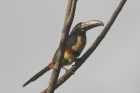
(75, 44)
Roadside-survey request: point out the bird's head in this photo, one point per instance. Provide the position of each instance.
(82, 27)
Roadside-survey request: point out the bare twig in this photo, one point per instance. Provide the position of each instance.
(68, 21)
(68, 74)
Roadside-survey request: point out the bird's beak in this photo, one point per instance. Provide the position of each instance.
(90, 24)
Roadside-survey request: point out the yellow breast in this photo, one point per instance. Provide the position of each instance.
(79, 46)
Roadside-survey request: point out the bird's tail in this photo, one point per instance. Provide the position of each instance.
(36, 76)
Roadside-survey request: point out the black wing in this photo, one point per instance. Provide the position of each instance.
(70, 42)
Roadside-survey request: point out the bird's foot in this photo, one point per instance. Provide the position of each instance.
(68, 70)
(78, 59)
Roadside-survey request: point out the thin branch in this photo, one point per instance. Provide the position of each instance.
(68, 74)
(68, 21)
(68, 11)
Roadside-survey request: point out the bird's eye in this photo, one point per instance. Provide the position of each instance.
(79, 26)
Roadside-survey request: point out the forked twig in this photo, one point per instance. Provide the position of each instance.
(68, 74)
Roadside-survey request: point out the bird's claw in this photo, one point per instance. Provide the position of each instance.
(67, 70)
(78, 59)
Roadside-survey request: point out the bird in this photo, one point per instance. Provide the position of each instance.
(75, 44)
